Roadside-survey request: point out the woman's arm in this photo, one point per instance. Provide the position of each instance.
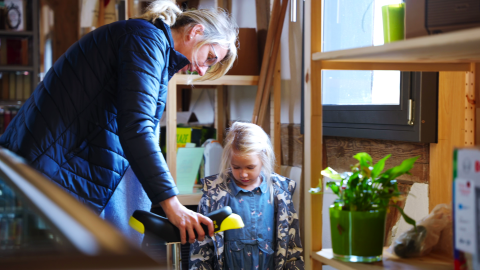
(202, 253)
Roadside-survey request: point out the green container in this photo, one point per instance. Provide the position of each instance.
(393, 22)
(357, 236)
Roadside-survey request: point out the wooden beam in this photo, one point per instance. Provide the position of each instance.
(220, 112)
(313, 133)
(470, 109)
(271, 65)
(275, 115)
(66, 25)
(172, 127)
(262, 9)
(451, 133)
(101, 13)
(266, 56)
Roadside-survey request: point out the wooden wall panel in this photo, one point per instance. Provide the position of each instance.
(66, 25)
(340, 152)
(292, 145)
(451, 129)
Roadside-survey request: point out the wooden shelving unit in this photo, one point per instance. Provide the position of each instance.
(33, 36)
(389, 262)
(455, 55)
(181, 79)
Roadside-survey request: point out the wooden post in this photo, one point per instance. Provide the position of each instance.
(452, 124)
(276, 114)
(470, 106)
(313, 132)
(172, 127)
(220, 112)
(266, 56)
(101, 13)
(271, 64)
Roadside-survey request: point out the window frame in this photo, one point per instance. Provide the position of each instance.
(390, 122)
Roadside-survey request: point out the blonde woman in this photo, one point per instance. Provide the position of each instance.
(93, 116)
(247, 183)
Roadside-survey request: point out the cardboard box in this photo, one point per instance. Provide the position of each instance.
(466, 208)
(247, 62)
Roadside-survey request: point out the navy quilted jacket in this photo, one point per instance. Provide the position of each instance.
(95, 113)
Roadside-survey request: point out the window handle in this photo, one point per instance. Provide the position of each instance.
(293, 10)
(411, 111)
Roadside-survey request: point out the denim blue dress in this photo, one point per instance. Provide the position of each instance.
(252, 246)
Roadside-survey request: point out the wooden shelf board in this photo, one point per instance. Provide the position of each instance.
(11, 102)
(182, 79)
(16, 33)
(390, 261)
(454, 47)
(16, 68)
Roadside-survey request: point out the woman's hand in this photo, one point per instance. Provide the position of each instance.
(186, 220)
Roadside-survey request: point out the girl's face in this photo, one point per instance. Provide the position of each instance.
(207, 55)
(246, 170)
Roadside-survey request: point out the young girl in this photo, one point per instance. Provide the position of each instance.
(247, 183)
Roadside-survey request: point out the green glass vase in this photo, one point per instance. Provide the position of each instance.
(357, 236)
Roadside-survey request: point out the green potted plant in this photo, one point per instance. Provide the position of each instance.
(357, 217)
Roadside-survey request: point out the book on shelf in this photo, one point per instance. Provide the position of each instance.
(19, 86)
(17, 51)
(15, 85)
(11, 86)
(27, 85)
(5, 86)
(3, 51)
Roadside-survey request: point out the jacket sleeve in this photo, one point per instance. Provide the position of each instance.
(141, 68)
(294, 259)
(202, 253)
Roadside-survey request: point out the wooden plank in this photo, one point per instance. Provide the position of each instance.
(101, 13)
(451, 130)
(476, 84)
(271, 65)
(66, 22)
(332, 65)
(183, 79)
(266, 56)
(172, 127)
(470, 110)
(459, 46)
(389, 262)
(313, 132)
(340, 152)
(276, 129)
(262, 9)
(220, 112)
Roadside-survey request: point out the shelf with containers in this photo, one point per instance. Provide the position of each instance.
(19, 55)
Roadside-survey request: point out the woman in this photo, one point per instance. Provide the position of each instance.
(95, 112)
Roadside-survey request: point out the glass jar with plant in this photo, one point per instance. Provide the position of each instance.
(357, 217)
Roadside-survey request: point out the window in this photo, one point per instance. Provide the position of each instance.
(372, 104)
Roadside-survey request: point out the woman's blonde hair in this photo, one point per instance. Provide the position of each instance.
(247, 138)
(219, 29)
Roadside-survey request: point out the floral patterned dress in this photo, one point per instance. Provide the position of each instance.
(251, 246)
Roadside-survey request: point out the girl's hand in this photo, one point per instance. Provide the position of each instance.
(186, 220)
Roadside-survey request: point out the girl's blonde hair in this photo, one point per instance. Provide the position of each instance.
(247, 138)
(219, 29)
